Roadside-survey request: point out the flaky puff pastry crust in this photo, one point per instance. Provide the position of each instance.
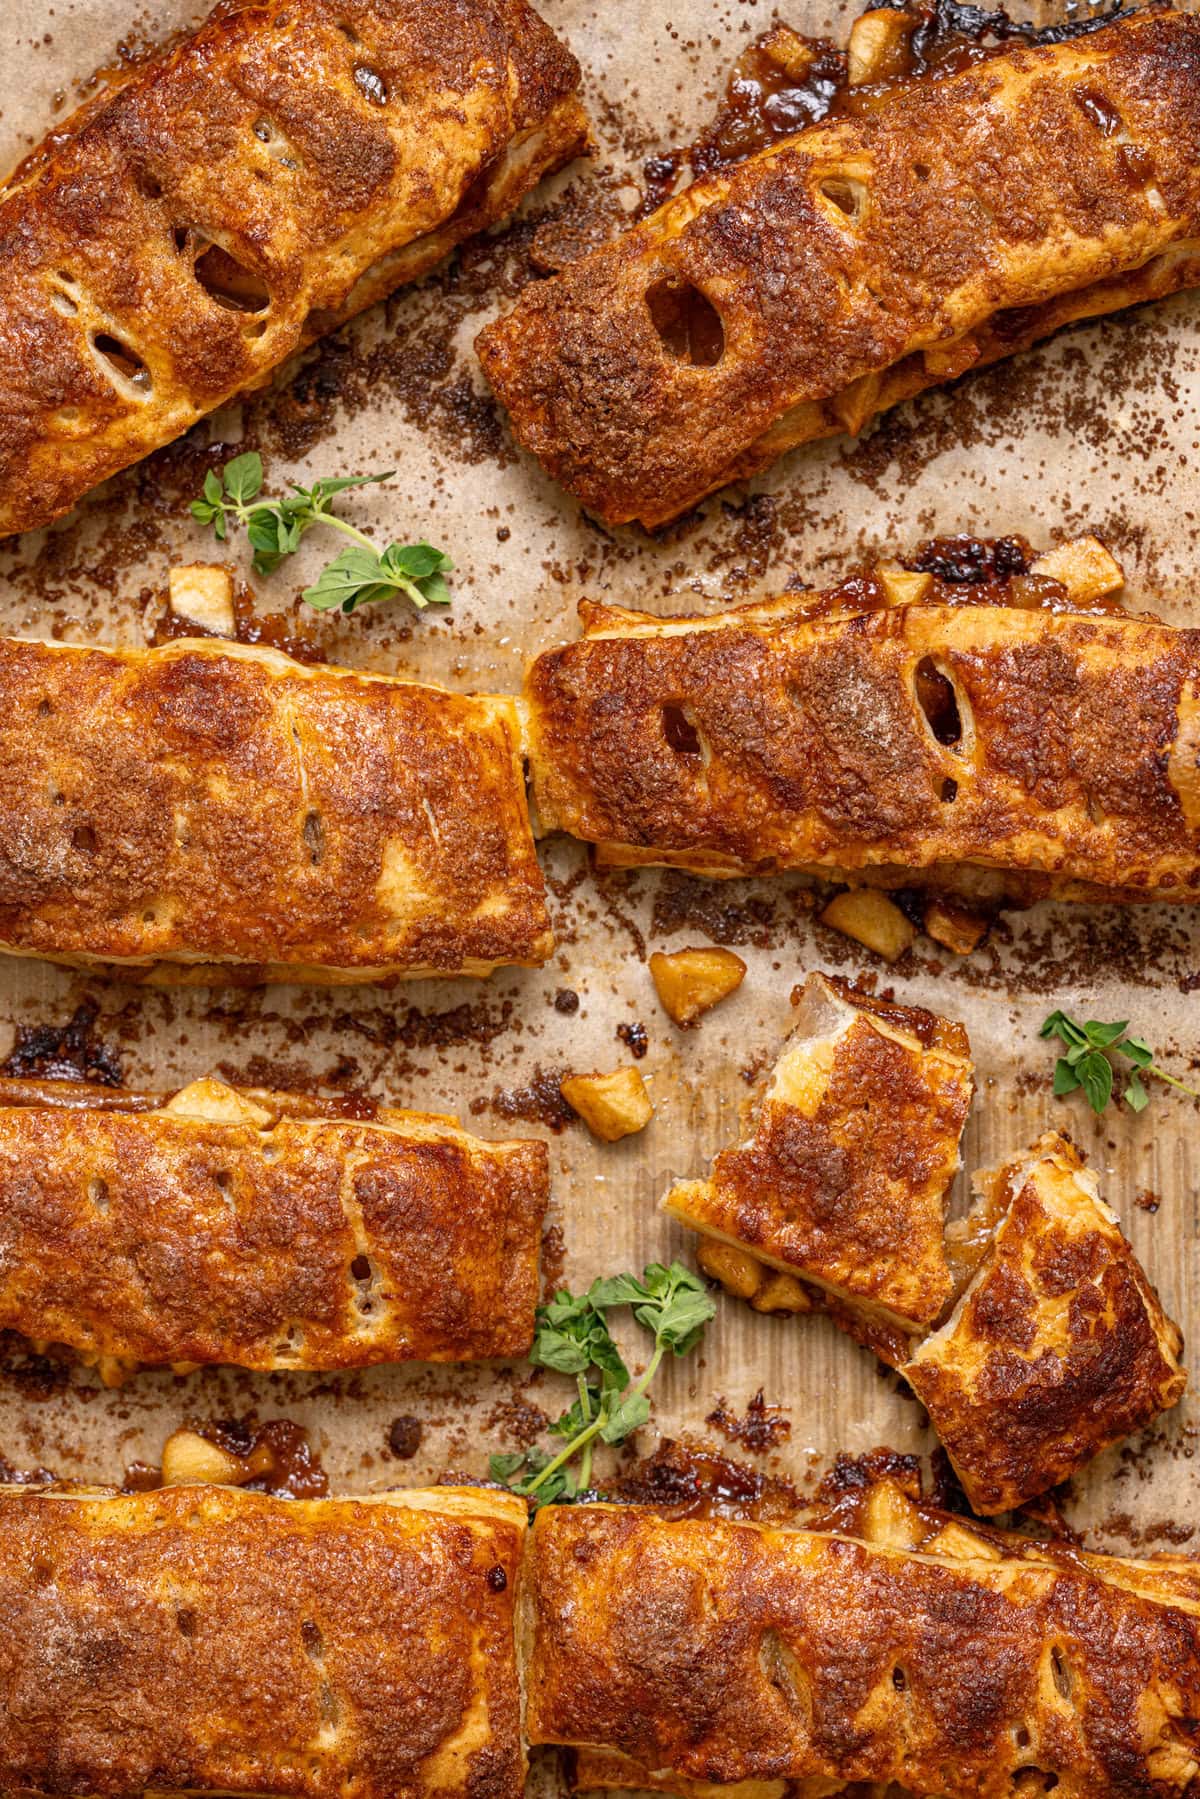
(953, 220)
(782, 736)
(208, 1640)
(225, 1227)
(239, 195)
(723, 1654)
(887, 1510)
(842, 1178)
(1058, 1346)
(208, 812)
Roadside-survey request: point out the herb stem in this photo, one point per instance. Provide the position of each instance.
(572, 1448)
(1153, 1068)
(344, 525)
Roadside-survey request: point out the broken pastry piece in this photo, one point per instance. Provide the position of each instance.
(772, 1661)
(993, 740)
(841, 1184)
(929, 227)
(204, 812)
(205, 1640)
(267, 1231)
(230, 200)
(1057, 1346)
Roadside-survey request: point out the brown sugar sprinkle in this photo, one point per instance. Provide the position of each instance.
(633, 1036)
(762, 1427)
(69, 1052)
(689, 1482)
(404, 1437)
(539, 1101)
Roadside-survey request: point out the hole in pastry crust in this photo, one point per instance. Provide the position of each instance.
(290, 1344)
(279, 148)
(310, 1636)
(84, 838)
(1034, 1780)
(362, 1275)
(98, 1194)
(938, 700)
(949, 792)
(230, 283)
(63, 298)
(370, 84)
(900, 1680)
(848, 195)
(123, 366)
(921, 171)
(680, 732)
(785, 1673)
(314, 838)
(1064, 1679)
(688, 323)
(186, 1622)
(148, 185)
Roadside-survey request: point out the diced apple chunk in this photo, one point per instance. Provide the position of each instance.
(873, 920)
(955, 927)
(781, 1293)
(611, 1105)
(190, 1459)
(738, 1272)
(1084, 567)
(202, 593)
(878, 45)
(691, 982)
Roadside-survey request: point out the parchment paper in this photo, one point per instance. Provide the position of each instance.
(1095, 431)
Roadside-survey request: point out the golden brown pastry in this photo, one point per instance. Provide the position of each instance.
(945, 222)
(720, 1654)
(241, 194)
(207, 812)
(251, 1229)
(885, 1507)
(886, 731)
(843, 1176)
(1057, 1347)
(205, 1640)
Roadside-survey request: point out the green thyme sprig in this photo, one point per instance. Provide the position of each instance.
(359, 576)
(1087, 1062)
(573, 1338)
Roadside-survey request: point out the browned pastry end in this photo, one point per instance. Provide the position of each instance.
(222, 1228)
(205, 1640)
(205, 812)
(945, 222)
(885, 733)
(887, 1510)
(842, 1179)
(1057, 1347)
(722, 1653)
(241, 194)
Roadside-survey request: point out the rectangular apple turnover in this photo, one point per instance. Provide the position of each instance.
(929, 226)
(204, 812)
(228, 201)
